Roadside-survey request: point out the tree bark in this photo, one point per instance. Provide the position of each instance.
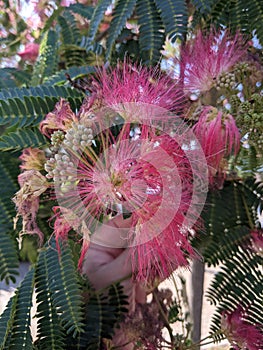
(198, 271)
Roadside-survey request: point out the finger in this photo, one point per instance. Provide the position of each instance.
(111, 271)
(114, 233)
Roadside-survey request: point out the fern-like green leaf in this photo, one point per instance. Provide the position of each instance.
(74, 73)
(174, 14)
(8, 187)
(13, 77)
(122, 12)
(49, 331)
(83, 10)
(239, 283)
(97, 17)
(24, 107)
(8, 258)
(47, 62)
(151, 36)
(103, 313)
(229, 216)
(63, 284)
(20, 335)
(69, 31)
(235, 14)
(6, 322)
(203, 6)
(23, 138)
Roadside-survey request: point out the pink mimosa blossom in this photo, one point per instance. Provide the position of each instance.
(240, 333)
(129, 83)
(219, 137)
(30, 52)
(149, 178)
(32, 159)
(61, 118)
(32, 185)
(206, 57)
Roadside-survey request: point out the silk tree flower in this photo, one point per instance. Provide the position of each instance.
(148, 178)
(61, 118)
(206, 57)
(219, 137)
(32, 185)
(127, 84)
(30, 52)
(32, 159)
(241, 334)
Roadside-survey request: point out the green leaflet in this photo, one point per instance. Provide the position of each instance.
(228, 217)
(174, 14)
(238, 283)
(104, 311)
(24, 107)
(23, 138)
(235, 14)
(151, 31)
(6, 322)
(8, 187)
(69, 31)
(122, 12)
(63, 284)
(12, 77)
(49, 332)
(47, 62)
(97, 17)
(16, 333)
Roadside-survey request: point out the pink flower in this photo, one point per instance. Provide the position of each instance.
(67, 3)
(129, 83)
(32, 184)
(60, 119)
(206, 57)
(32, 159)
(30, 52)
(151, 179)
(219, 137)
(241, 333)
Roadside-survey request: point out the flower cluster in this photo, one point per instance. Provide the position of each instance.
(206, 60)
(219, 137)
(128, 152)
(241, 333)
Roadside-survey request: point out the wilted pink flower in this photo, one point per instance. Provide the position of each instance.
(65, 221)
(219, 137)
(30, 52)
(32, 159)
(130, 83)
(206, 57)
(240, 333)
(62, 226)
(61, 118)
(32, 185)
